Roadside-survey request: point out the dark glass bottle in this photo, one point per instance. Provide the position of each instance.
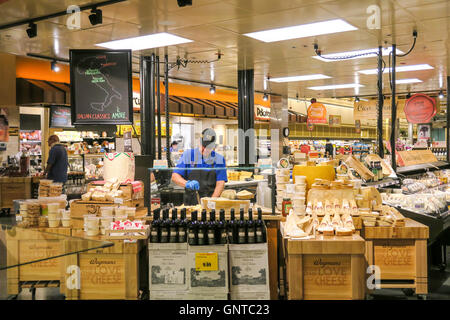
(202, 230)
(165, 227)
(173, 235)
(250, 227)
(182, 227)
(221, 228)
(232, 228)
(260, 229)
(193, 229)
(211, 228)
(154, 229)
(241, 228)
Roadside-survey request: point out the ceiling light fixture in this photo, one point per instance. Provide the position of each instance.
(183, 3)
(155, 40)
(441, 95)
(302, 31)
(417, 67)
(367, 53)
(406, 81)
(32, 30)
(265, 97)
(96, 16)
(300, 78)
(337, 86)
(212, 89)
(54, 66)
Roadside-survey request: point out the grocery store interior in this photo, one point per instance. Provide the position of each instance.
(248, 149)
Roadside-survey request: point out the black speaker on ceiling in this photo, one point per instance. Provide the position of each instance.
(183, 3)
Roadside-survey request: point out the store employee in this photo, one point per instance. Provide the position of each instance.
(208, 183)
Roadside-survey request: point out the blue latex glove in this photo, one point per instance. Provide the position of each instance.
(193, 185)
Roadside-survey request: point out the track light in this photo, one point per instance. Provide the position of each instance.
(265, 97)
(32, 30)
(408, 95)
(183, 3)
(54, 66)
(96, 16)
(441, 95)
(212, 90)
(356, 99)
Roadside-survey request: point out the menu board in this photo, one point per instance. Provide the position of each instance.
(101, 86)
(60, 117)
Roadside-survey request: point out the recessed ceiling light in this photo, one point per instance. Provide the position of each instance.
(302, 31)
(300, 78)
(156, 40)
(337, 86)
(364, 54)
(416, 67)
(404, 81)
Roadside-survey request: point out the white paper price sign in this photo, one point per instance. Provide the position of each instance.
(118, 200)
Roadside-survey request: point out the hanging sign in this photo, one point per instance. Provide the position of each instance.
(262, 113)
(420, 108)
(367, 110)
(317, 113)
(101, 86)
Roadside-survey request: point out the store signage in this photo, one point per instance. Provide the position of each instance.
(317, 113)
(420, 108)
(60, 117)
(101, 86)
(368, 110)
(334, 120)
(413, 157)
(262, 113)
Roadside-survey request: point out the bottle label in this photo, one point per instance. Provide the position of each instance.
(210, 235)
(164, 234)
(251, 234)
(181, 233)
(258, 233)
(230, 233)
(241, 234)
(154, 233)
(200, 235)
(191, 235)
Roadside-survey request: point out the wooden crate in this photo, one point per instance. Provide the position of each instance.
(30, 245)
(108, 273)
(14, 188)
(325, 268)
(400, 253)
(79, 208)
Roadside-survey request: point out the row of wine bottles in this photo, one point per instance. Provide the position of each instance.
(204, 232)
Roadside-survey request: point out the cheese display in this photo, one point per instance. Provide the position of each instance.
(386, 217)
(245, 195)
(119, 166)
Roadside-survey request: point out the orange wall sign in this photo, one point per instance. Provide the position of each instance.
(317, 113)
(420, 108)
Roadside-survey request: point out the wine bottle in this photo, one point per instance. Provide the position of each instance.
(259, 227)
(165, 227)
(241, 227)
(193, 229)
(154, 230)
(211, 228)
(202, 230)
(250, 226)
(173, 235)
(221, 228)
(182, 227)
(231, 227)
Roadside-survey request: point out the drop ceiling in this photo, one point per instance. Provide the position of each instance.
(220, 24)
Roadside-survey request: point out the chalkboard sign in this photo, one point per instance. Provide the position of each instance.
(60, 117)
(101, 86)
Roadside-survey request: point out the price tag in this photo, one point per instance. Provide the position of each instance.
(118, 200)
(19, 218)
(206, 261)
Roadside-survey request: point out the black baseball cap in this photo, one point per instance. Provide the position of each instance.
(209, 138)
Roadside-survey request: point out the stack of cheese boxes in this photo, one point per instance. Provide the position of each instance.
(298, 197)
(282, 180)
(173, 275)
(243, 272)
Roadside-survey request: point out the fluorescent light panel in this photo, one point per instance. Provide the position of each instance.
(405, 81)
(156, 40)
(416, 67)
(337, 86)
(300, 78)
(385, 52)
(302, 31)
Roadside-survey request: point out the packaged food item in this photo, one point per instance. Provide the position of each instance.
(86, 196)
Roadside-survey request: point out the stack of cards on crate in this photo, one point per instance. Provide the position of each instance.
(283, 180)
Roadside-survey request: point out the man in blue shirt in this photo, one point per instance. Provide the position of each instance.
(57, 162)
(205, 178)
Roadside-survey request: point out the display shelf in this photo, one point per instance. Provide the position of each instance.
(427, 189)
(382, 184)
(243, 183)
(422, 168)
